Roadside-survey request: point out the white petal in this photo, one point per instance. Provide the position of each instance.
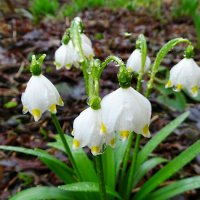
(86, 129)
(125, 110)
(40, 95)
(134, 62)
(85, 39)
(185, 74)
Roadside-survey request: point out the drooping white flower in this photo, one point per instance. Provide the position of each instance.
(66, 55)
(86, 131)
(40, 95)
(124, 111)
(134, 62)
(185, 74)
(87, 46)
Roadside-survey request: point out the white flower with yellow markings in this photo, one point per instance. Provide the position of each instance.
(124, 111)
(86, 131)
(185, 74)
(87, 46)
(40, 95)
(66, 55)
(134, 62)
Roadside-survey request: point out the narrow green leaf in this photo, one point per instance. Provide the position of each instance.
(176, 188)
(84, 164)
(108, 158)
(171, 168)
(42, 193)
(87, 187)
(145, 167)
(119, 150)
(159, 137)
(58, 167)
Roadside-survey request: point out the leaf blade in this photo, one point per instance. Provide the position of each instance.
(176, 188)
(87, 187)
(159, 137)
(43, 193)
(166, 172)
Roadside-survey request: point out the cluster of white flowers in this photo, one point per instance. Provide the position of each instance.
(185, 74)
(122, 111)
(66, 55)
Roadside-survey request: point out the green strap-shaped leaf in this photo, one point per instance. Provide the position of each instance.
(166, 172)
(119, 150)
(109, 167)
(43, 193)
(58, 167)
(176, 188)
(87, 187)
(145, 167)
(159, 137)
(84, 164)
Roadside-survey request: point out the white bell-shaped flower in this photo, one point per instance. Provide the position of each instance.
(66, 55)
(134, 62)
(185, 74)
(124, 111)
(87, 46)
(86, 131)
(40, 95)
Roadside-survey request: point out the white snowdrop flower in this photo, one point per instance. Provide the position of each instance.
(124, 111)
(87, 46)
(134, 62)
(185, 74)
(86, 131)
(66, 55)
(40, 95)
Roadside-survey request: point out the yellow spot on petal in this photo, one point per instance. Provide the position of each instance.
(179, 87)
(146, 130)
(169, 84)
(90, 57)
(124, 134)
(76, 144)
(52, 108)
(36, 114)
(60, 102)
(58, 65)
(25, 109)
(112, 142)
(95, 150)
(68, 66)
(195, 90)
(72, 133)
(103, 128)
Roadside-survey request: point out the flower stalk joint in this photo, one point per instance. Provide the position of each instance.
(189, 52)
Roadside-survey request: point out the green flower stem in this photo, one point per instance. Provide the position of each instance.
(111, 59)
(66, 146)
(161, 54)
(143, 47)
(132, 168)
(99, 167)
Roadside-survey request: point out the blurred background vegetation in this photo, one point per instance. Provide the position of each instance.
(160, 9)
